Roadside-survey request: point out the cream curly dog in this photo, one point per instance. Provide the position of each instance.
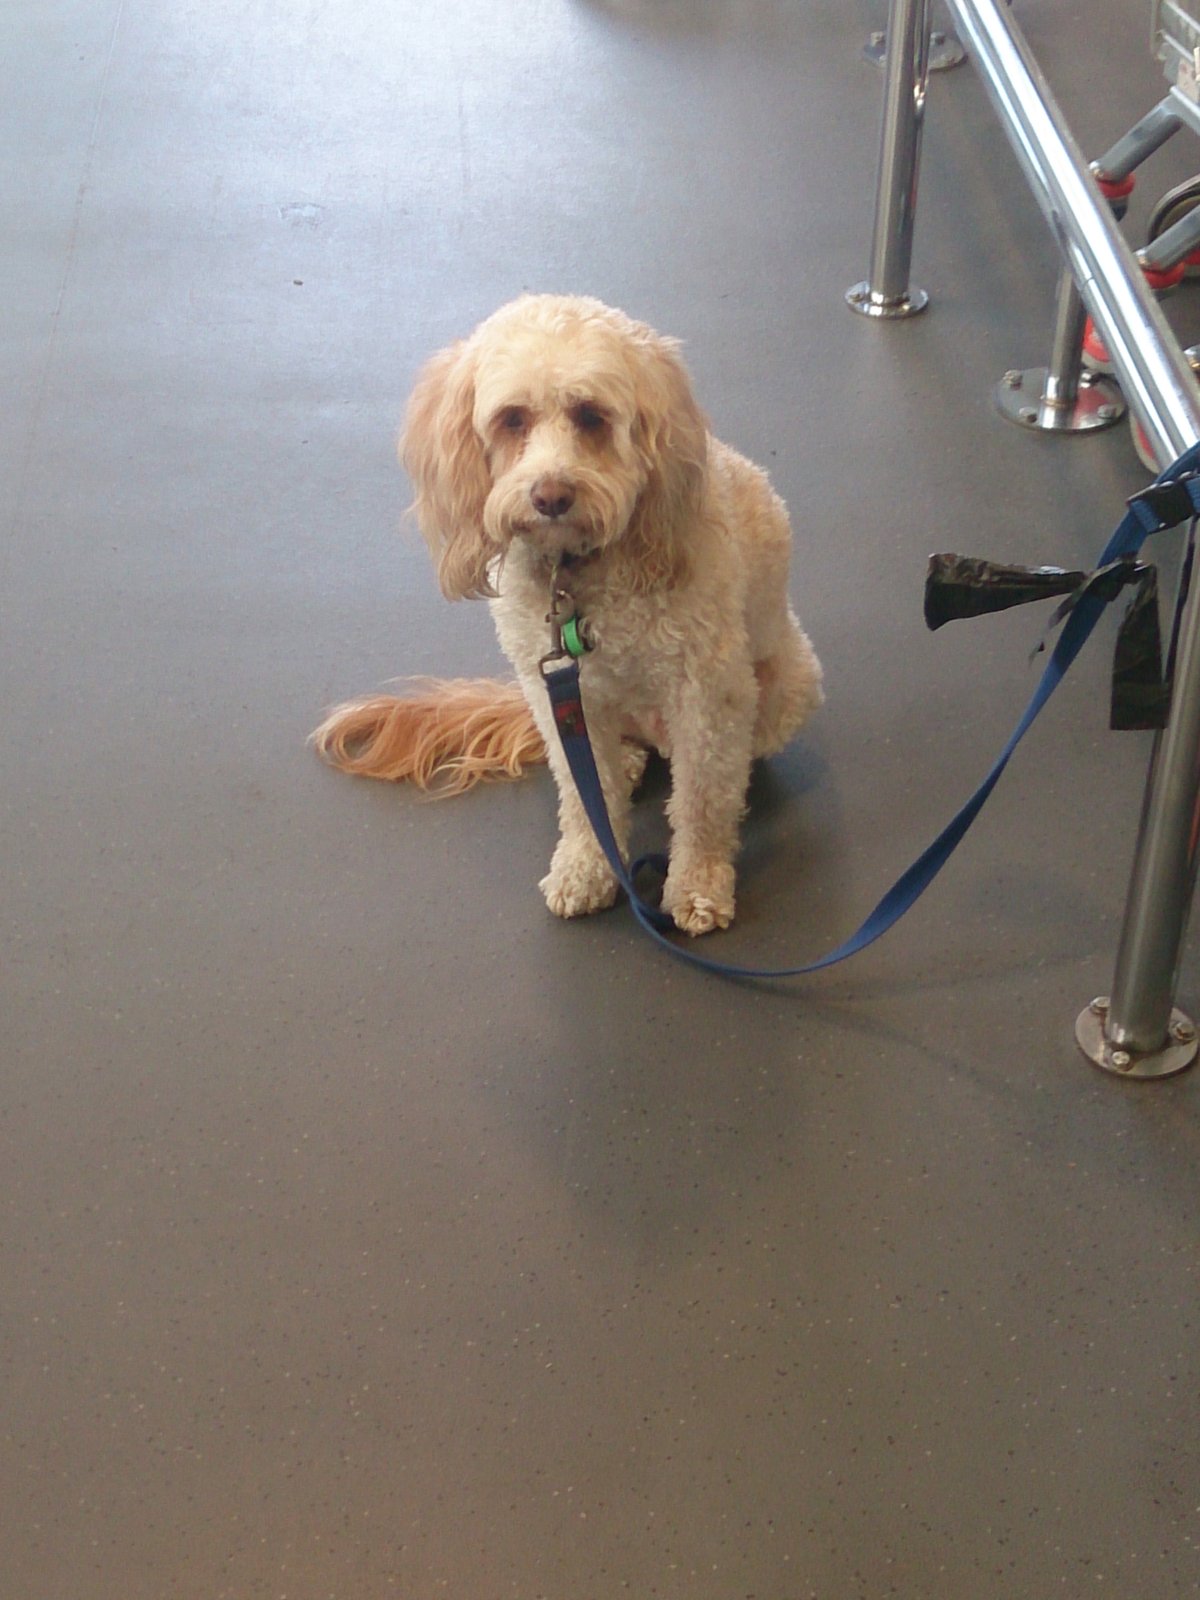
(562, 438)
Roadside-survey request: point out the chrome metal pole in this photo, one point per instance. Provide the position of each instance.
(1066, 353)
(1141, 1025)
(887, 292)
(1137, 1032)
(1063, 397)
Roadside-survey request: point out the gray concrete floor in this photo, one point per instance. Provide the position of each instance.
(367, 1231)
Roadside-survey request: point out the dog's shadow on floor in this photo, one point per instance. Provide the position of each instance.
(772, 804)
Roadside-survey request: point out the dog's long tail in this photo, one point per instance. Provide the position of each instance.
(445, 736)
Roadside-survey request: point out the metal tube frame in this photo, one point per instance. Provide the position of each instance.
(1142, 140)
(1136, 1032)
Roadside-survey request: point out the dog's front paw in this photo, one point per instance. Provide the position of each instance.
(578, 882)
(700, 898)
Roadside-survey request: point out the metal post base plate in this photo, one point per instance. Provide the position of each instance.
(863, 299)
(1178, 1052)
(945, 50)
(1019, 397)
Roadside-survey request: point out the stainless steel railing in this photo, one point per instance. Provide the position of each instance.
(1136, 1031)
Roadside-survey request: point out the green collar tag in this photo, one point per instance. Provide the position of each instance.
(572, 643)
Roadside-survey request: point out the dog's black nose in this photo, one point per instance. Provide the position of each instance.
(552, 497)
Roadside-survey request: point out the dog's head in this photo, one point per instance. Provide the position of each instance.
(562, 423)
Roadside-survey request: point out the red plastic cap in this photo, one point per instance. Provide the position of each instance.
(1160, 278)
(1115, 188)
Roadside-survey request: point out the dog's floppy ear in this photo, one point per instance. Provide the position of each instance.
(444, 457)
(671, 437)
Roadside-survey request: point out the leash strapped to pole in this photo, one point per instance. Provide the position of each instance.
(1172, 498)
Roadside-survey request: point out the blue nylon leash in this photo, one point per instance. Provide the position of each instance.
(1172, 498)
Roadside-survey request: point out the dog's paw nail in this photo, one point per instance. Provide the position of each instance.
(701, 898)
(696, 914)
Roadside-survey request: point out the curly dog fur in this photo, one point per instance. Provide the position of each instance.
(562, 435)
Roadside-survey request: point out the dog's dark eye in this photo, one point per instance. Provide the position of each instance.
(589, 419)
(513, 419)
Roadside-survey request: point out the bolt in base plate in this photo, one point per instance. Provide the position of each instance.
(1098, 404)
(863, 299)
(1178, 1052)
(945, 51)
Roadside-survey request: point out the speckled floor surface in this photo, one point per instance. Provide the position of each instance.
(366, 1231)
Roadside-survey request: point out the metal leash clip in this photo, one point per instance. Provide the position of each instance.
(568, 631)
